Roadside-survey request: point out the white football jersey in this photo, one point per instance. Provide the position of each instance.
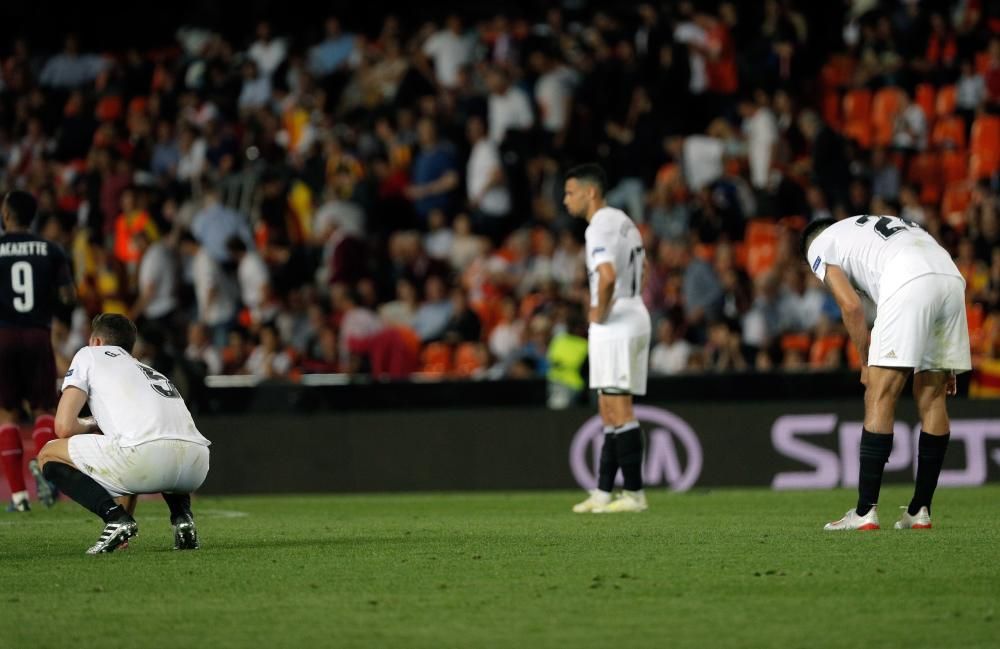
(613, 238)
(879, 254)
(131, 402)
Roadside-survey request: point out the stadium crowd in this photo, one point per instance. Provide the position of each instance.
(390, 203)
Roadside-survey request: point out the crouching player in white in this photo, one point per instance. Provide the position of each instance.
(140, 440)
(920, 327)
(618, 338)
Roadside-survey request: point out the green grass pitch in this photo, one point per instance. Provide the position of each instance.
(728, 568)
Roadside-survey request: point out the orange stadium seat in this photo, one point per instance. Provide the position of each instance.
(954, 202)
(924, 97)
(857, 116)
(954, 165)
(925, 171)
(762, 246)
(944, 105)
(885, 107)
(435, 360)
(468, 359)
(985, 146)
(949, 133)
(823, 348)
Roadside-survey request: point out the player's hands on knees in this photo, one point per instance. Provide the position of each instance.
(951, 387)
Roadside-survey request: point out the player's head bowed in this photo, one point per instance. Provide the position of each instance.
(813, 230)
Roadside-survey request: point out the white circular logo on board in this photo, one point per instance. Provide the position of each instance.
(663, 464)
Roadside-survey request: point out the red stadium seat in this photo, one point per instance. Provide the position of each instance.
(857, 116)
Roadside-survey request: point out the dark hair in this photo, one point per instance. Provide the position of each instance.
(235, 245)
(115, 329)
(812, 231)
(22, 207)
(591, 174)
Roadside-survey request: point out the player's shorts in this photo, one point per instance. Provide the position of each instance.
(922, 325)
(618, 349)
(161, 465)
(27, 368)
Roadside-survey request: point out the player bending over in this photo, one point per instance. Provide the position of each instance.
(919, 327)
(618, 338)
(140, 440)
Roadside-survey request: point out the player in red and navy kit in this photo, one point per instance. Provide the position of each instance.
(34, 278)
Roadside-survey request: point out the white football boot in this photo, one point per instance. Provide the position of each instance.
(851, 521)
(629, 501)
(595, 501)
(919, 521)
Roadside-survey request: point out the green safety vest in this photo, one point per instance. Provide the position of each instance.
(567, 354)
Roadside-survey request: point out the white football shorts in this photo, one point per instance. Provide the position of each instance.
(922, 325)
(618, 349)
(153, 467)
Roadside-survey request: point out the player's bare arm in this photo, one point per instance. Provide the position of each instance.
(851, 309)
(605, 292)
(68, 420)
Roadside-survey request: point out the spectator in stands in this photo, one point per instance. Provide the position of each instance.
(910, 130)
(268, 360)
(671, 352)
(450, 51)
(267, 52)
(509, 108)
(885, 176)
(402, 310)
(215, 224)
(337, 51)
(463, 324)
(70, 68)
(435, 173)
(761, 131)
(324, 356)
(486, 185)
(200, 350)
(553, 97)
(431, 318)
(156, 304)
(215, 295)
(132, 220)
(253, 278)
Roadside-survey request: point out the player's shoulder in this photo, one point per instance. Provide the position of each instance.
(608, 218)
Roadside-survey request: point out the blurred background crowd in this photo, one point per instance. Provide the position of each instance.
(384, 198)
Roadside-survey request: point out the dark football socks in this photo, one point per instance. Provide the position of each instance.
(930, 457)
(875, 450)
(628, 444)
(608, 466)
(84, 490)
(11, 454)
(180, 506)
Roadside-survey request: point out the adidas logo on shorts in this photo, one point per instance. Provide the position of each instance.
(891, 354)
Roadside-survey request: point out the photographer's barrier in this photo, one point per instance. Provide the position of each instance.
(777, 444)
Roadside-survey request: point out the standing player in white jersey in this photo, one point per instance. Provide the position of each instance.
(141, 438)
(618, 338)
(919, 327)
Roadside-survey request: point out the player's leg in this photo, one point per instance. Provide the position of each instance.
(885, 384)
(629, 450)
(11, 398)
(42, 434)
(884, 387)
(11, 456)
(607, 465)
(193, 460)
(59, 468)
(930, 392)
(40, 393)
